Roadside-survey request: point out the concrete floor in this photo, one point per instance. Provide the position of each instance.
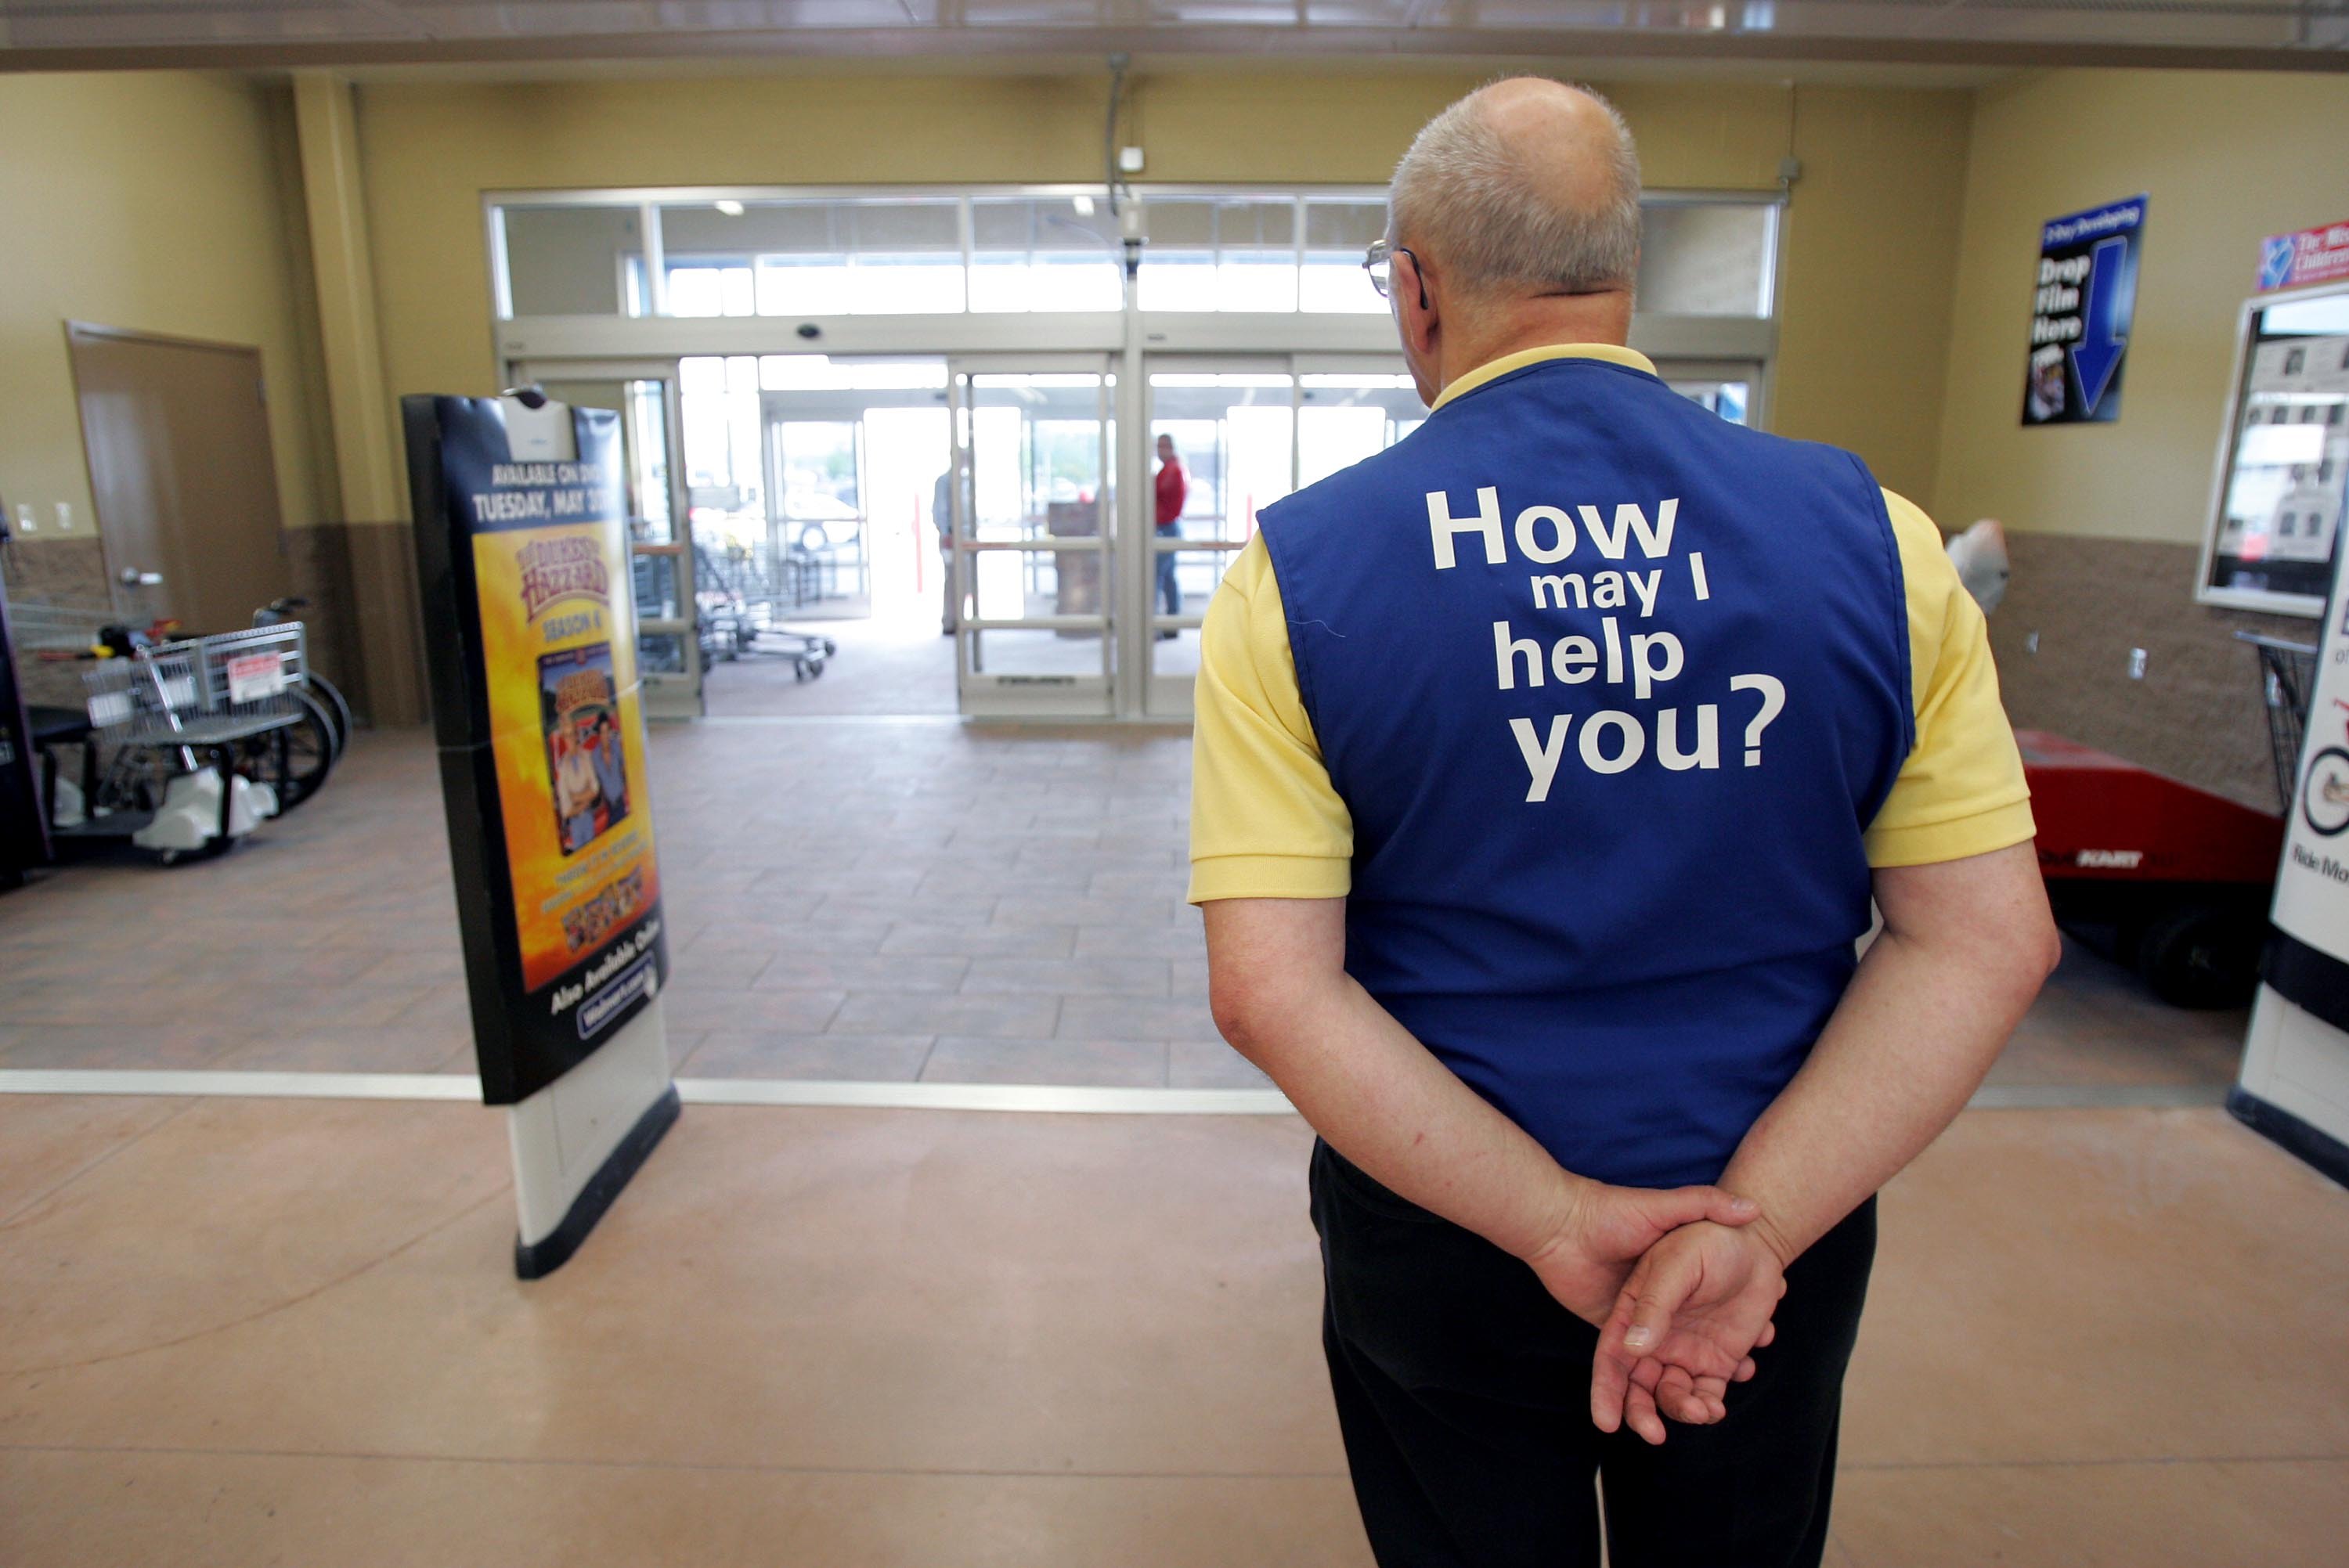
(241, 1330)
(246, 1331)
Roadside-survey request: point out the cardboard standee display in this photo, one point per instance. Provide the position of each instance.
(530, 619)
(2294, 1083)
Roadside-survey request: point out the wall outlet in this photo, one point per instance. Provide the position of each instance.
(24, 523)
(1129, 159)
(2031, 643)
(65, 517)
(2137, 663)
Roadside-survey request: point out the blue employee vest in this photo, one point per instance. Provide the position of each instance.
(1612, 689)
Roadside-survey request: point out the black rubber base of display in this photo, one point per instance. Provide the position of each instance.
(536, 1259)
(2309, 977)
(2312, 1144)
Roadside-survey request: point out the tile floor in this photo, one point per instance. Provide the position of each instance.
(850, 897)
(882, 666)
(245, 1330)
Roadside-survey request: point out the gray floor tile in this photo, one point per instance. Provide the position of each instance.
(1168, 884)
(855, 1058)
(1135, 1019)
(962, 909)
(118, 1046)
(383, 1050)
(1110, 1064)
(812, 933)
(790, 970)
(989, 882)
(1026, 909)
(777, 1012)
(1089, 976)
(982, 941)
(718, 968)
(911, 1012)
(796, 859)
(1180, 941)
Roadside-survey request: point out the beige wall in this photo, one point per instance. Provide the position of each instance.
(2226, 158)
(152, 202)
(1871, 244)
(1870, 239)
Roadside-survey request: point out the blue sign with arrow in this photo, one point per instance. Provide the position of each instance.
(2084, 298)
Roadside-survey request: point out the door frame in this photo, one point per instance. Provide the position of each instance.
(666, 694)
(982, 695)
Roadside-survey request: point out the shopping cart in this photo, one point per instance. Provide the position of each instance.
(52, 626)
(2287, 683)
(741, 598)
(196, 733)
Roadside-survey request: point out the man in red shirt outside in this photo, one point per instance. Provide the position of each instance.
(1173, 486)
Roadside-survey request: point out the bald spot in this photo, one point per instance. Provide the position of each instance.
(1563, 141)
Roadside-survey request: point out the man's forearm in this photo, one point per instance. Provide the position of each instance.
(1921, 1023)
(1383, 1101)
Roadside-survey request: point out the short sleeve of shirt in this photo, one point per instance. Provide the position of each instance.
(1266, 821)
(1962, 792)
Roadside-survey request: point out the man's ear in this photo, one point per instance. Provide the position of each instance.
(1416, 312)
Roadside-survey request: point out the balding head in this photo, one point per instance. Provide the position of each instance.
(1525, 186)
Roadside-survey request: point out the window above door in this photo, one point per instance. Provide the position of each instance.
(1034, 250)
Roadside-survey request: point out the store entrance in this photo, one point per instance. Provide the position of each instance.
(813, 486)
(944, 533)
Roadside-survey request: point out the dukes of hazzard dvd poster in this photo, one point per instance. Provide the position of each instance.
(529, 609)
(568, 734)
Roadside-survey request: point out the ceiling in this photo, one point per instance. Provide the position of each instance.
(2251, 34)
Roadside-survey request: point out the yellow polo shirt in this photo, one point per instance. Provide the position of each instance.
(1266, 821)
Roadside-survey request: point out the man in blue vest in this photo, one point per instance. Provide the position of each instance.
(1547, 765)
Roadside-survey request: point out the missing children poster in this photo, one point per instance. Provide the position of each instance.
(532, 622)
(2083, 302)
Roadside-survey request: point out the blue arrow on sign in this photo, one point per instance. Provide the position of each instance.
(2098, 353)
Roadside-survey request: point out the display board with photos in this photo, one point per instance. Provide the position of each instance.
(2277, 498)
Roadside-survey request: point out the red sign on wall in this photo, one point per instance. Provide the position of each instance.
(2310, 256)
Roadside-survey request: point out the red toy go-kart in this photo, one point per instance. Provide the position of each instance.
(2177, 879)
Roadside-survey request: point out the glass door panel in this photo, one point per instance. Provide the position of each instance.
(1731, 388)
(1223, 447)
(1033, 535)
(816, 469)
(668, 651)
(1345, 415)
(1246, 433)
(855, 448)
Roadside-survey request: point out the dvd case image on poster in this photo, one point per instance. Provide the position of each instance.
(586, 762)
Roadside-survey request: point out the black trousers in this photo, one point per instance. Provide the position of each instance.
(1463, 1395)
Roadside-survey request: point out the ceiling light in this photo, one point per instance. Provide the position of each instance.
(731, 209)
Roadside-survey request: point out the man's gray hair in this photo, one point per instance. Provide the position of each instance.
(1493, 222)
